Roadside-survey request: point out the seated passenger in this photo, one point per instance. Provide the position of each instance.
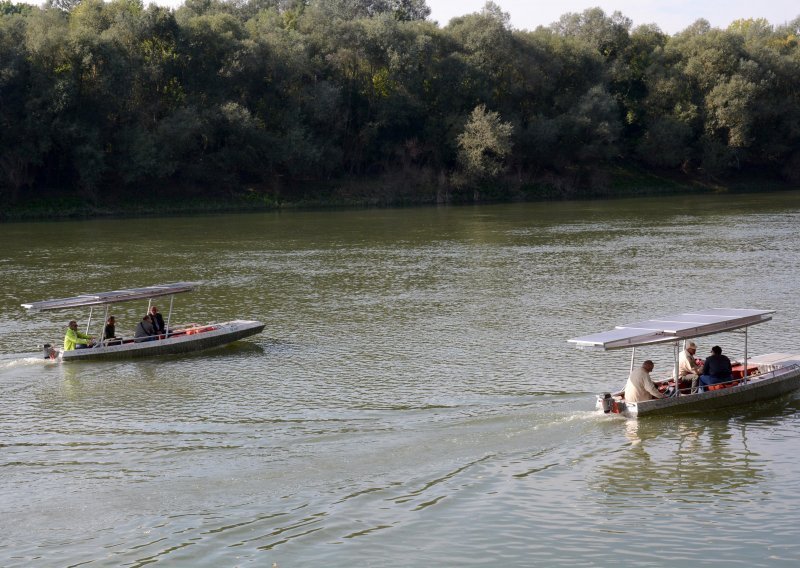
(640, 386)
(75, 339)
(688, 369)
(109, 331)
(716, 369)
(144, 331)
(158, 321)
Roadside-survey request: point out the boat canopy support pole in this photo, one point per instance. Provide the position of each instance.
(744, 371)
(88, 323)
(103, 326)
(169, 314)
(633, 358)
(675, 348)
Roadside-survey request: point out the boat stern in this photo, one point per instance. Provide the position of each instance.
(610, 404)
(50, 352)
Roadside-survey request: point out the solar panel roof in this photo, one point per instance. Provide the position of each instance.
(673, 328)
(112, 297)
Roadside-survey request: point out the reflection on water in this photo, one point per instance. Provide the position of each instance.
(690, 459)
(412, 400)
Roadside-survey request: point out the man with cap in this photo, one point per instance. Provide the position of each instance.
(688, 369)
(75, 339)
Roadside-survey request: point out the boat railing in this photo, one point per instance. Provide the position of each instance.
(716, 386)
(744, 380)
(178, 331)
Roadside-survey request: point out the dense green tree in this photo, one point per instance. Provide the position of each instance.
(114, 98)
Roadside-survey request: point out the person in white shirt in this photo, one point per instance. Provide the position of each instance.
(640, 386)
(688, 369)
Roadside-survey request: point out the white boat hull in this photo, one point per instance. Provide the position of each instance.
(186, 340)
(770, 384)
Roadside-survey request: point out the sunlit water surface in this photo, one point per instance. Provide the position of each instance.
(412, 400)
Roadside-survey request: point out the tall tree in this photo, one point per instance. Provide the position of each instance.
(484, 144)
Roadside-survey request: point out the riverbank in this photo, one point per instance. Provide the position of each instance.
(388, 190)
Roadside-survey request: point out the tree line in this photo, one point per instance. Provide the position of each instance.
(115, 98)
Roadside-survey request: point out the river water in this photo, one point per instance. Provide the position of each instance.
(412, 401)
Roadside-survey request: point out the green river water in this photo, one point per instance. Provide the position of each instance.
(412, 401)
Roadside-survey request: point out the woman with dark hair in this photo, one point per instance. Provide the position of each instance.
(110, 330)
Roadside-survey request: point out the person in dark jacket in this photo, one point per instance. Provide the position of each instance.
(110, 330)
(716, 369)
(158, 321)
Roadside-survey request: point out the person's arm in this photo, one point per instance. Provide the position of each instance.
(705, 367)
(651, 387)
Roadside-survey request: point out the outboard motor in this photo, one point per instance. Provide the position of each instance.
(49, 352)
(607, 402)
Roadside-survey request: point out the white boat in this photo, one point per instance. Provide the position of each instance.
(754, 378)
(180, 339)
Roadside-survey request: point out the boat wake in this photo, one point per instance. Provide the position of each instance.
(24, 360)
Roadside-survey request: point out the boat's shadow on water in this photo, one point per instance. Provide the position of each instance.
(689, 448)
(785, 405)
(240, 348)
(756, 412)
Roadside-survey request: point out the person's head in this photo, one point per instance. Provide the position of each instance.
(648, 366)
(691, 347)
(153, 310)
(146, 317)
(110, 320)
(716, 350)
(72, 325)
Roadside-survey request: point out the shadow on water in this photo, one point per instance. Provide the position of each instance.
(690, 457)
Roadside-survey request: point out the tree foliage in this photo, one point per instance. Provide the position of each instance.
(484, 144)
(115, 98)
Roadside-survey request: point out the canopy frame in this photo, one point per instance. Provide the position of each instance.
(112, 297)
(674, 329)
(115, 297)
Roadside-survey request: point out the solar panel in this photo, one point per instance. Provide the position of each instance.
(673, 328)
(113, 296)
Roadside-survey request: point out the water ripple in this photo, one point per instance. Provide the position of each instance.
(412, 400)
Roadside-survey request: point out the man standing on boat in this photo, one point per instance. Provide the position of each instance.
(688, 369)
(640, 386)
(75, 339)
